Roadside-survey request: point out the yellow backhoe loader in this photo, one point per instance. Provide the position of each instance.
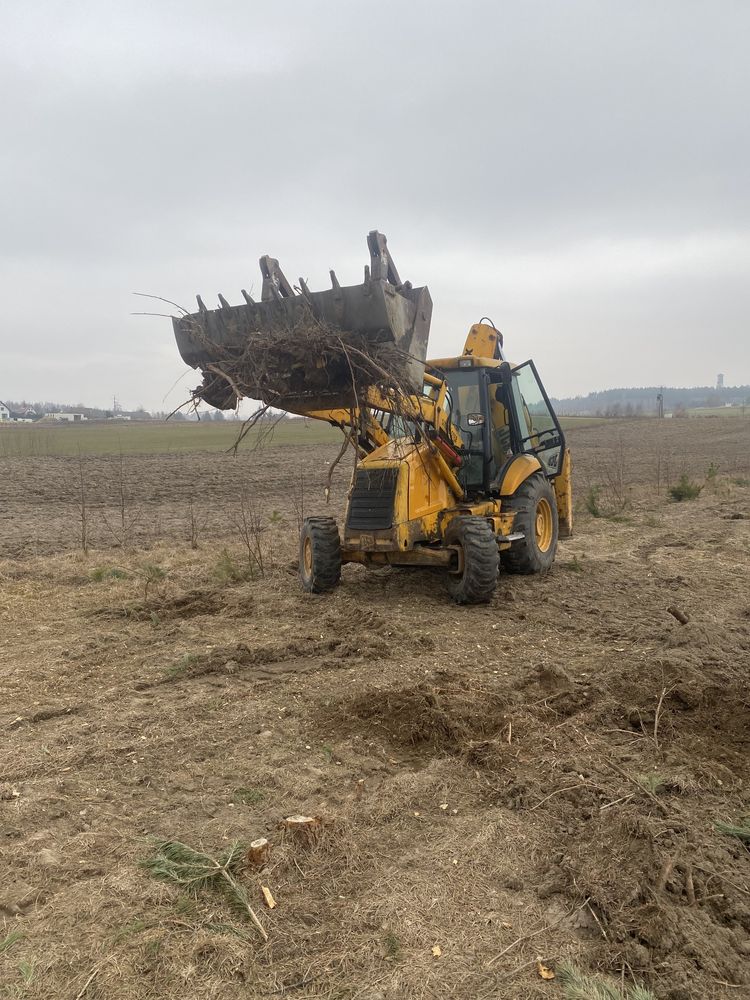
(462, 464)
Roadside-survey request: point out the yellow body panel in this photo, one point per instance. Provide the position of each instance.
(564, 495)
(422, 493)
(519, 469)
(483, 341)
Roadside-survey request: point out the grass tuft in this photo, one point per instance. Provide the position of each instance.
(108, 573)
(7, 942)
(591, 501)
(574, 566)
(392, 945)
(653, 783)
(248, 796)
(27, 970)
(128, 930)
(180, 668)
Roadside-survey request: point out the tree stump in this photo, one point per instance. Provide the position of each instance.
(304, 829)
(258, 852)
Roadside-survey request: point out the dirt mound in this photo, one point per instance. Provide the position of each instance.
(430, 718)
(190, 605)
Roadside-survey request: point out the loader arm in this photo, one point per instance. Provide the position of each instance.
(391, 415)
(427, 416)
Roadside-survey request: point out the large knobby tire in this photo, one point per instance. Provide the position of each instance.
(536, 516)
(319, 554)
(476, 579)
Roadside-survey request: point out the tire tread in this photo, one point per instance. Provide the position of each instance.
(477, 583)
(523, 556)
(326, 551)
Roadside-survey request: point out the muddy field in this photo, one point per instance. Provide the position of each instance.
(540, 778)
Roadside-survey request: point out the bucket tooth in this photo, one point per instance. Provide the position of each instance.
(248, 298)
(335, 282)
(201, 304)
(381, 262)
(224, 303)
(304, 289)
(275, 285)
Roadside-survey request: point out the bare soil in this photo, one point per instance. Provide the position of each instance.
(539, 777)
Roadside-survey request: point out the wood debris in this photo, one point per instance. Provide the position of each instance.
(268, 897)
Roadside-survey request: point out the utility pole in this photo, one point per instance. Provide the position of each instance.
(660, 403)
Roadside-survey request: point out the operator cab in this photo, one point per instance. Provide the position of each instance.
(501, 412)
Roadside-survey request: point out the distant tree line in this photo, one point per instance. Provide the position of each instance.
(642, 401)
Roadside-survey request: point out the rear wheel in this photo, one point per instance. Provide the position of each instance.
(476, 578)
(319, 554)
(536, 516)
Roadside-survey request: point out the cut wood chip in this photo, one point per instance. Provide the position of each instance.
(268, 897)
(437, 951)
(544, 970)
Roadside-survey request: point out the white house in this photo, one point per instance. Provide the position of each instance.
(69, 417)
(24, 416)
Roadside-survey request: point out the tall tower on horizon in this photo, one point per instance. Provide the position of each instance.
(719, 381)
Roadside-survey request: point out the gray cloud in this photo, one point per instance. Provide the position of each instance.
(578, 171)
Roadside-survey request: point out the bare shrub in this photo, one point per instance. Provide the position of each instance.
(195, 524)
(83, 509)
(128, 517)
(249, 524)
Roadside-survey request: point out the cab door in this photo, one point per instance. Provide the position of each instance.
(538, 429)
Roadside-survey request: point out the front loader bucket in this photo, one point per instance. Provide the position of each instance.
(294, 349)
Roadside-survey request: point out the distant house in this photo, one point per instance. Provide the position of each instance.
(68, 417)
(23, 416)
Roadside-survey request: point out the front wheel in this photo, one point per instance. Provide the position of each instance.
(319, 555)
(536, 516)
(476, 578)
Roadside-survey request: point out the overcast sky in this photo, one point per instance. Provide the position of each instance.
(579, 171)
